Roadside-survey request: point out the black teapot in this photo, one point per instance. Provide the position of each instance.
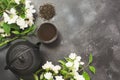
(23, 58)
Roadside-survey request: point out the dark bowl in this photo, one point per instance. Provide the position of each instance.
(47, 33)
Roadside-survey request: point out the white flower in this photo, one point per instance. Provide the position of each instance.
(82, 63)
(32, 9)
(12, 17)
(29, 14)
(29, 8)
(22, 23)
(6, 17)
(13, 11)
(1, 30)
(56, 68)
(78, 77)
(72, 56)
(59, 78)
(69, 64)
(4, 35)
(48, 75)
(48, 65)
(17, 1)
(78, 58)
(76, 65)
(27, 3)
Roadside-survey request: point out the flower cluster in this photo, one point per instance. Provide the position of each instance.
(74, 63)
(50, 66)
(51, 69)
(16, 17)
(72, 68)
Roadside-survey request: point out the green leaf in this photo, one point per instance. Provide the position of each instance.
(22, 15)
(86, 75)
(38, 71)
(1, 13)
(63, 72)
(23, 1)
(2, 6)
(5, 2)
(15, 27)
(20, 10)
(21, 79)
(90, 59)
(6, 28)
(41, 76)
(61, 62)
(16, 32)
(1, 23)
(71, 79)
(92, 69)
(1, 39)
(68, 59)
(35, 77)
(26, 31)
(12, 4)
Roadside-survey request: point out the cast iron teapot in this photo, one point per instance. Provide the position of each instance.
(23, 58)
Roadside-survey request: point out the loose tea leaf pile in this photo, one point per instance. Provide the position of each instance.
(47, 11)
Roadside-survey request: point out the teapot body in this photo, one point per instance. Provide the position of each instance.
(23, 58)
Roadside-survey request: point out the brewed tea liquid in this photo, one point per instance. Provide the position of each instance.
(46, 32)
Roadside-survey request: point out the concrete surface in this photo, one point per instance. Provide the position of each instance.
(85, 26)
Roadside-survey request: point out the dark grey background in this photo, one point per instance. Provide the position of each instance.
(85, 26)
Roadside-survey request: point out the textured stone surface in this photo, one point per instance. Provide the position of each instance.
(85, 26)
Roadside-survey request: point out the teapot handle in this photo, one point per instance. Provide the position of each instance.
(34, 40)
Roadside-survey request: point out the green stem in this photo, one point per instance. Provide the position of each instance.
(83, 68)
(35, 77)
(7, 41)
(10, 40)
(38, 71)
(21, 79)
(9, 4)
